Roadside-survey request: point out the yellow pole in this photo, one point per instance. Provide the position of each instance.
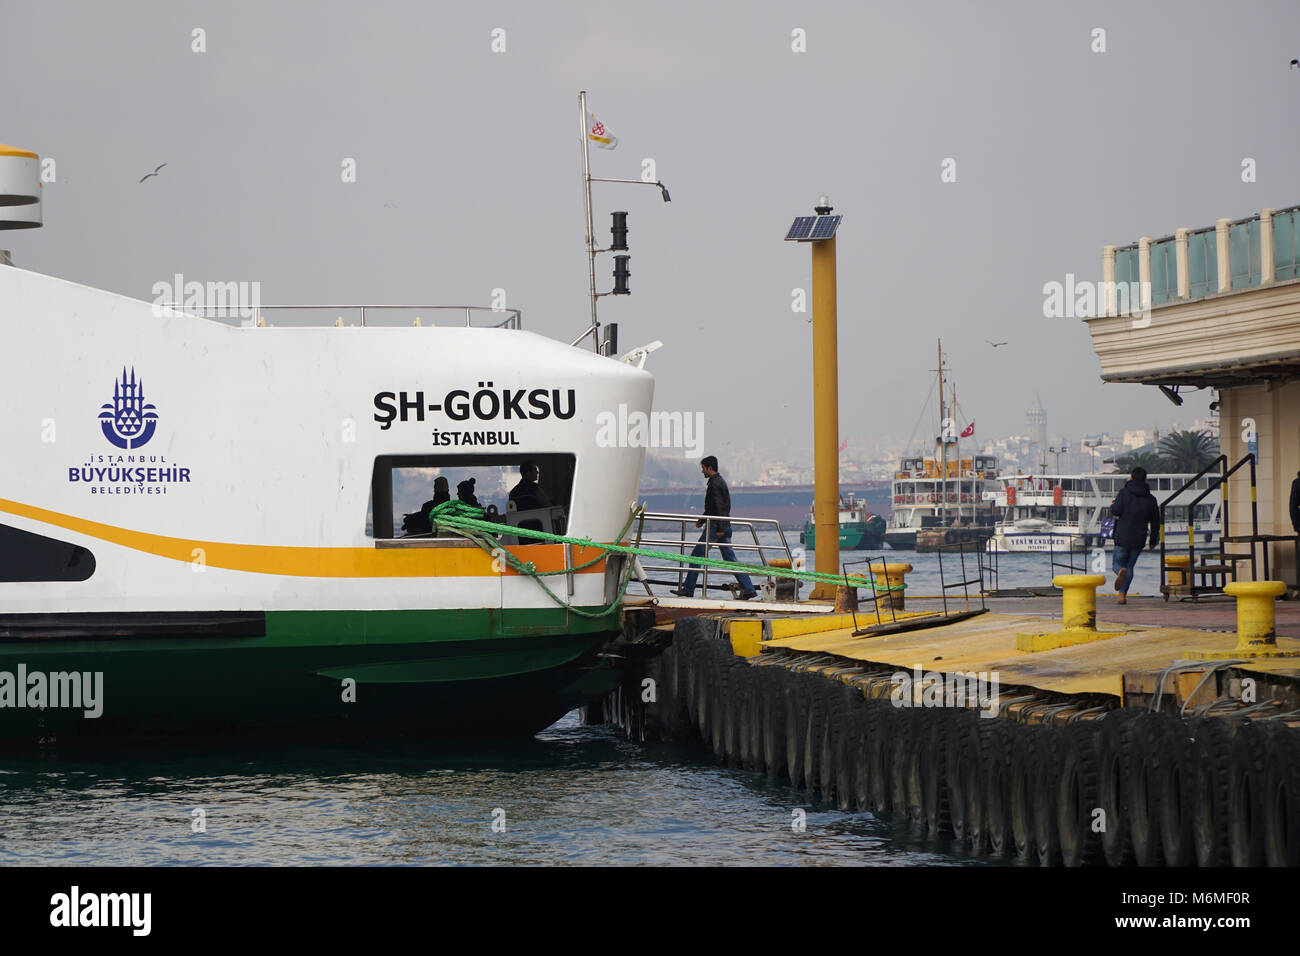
(826, 417)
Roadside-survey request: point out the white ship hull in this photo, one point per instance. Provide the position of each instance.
(1052, 542)
(1034, 542)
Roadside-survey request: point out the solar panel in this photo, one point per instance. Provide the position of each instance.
(825, 227)
(802, 226)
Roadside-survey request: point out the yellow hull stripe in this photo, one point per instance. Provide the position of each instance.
(313, 562)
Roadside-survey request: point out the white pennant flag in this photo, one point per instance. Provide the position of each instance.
(598, 133)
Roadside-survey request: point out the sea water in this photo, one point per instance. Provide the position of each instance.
(571, 795)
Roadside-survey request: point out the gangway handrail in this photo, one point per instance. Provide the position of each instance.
(965, 583)
(684, 540)
(876, 594)
(1071, 551)
(988, 559)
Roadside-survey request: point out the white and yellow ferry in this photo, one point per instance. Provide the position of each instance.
(201, 516)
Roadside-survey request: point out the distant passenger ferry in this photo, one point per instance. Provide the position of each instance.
(937, 503)
(1072, 512)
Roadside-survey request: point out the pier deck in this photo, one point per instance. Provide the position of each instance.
(987, 643)
(1155, 634)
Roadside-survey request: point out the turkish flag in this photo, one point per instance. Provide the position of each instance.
(970, 430)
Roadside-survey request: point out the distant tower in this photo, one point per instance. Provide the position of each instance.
(1036, 423)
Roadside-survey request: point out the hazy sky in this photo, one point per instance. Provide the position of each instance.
(468, 173)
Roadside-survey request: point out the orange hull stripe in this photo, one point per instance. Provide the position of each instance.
(314, 562)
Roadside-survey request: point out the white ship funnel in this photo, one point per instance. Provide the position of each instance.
(20, 188)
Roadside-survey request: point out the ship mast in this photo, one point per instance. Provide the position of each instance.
(943, 445)
(955, 422)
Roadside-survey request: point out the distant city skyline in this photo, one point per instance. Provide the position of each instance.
(760, 463)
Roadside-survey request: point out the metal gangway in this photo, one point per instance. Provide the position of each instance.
(676, 533)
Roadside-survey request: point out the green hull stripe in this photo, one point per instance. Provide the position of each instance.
(412, 669)
(422, 626)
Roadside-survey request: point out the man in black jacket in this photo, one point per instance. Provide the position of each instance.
(717, 501)
(1135, 510)
(1294, 507)
(528, 494)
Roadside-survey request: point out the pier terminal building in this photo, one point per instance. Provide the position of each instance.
(1220, 309)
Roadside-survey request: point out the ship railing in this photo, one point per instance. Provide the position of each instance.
(678, 533)
(346, 316)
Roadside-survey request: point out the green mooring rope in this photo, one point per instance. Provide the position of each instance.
(468, 521)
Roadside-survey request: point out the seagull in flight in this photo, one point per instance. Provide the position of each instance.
(154, 173)
(995, 344)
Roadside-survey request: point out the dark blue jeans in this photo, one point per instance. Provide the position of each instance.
(1125, 558)
(722, 538)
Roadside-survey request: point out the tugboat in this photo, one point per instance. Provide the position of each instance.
(200, 539)
(860, 529)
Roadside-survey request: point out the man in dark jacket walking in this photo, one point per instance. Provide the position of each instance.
(1135, 510)
(717, 502)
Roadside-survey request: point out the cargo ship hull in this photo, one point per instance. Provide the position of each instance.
(852, 538)
(901, 540)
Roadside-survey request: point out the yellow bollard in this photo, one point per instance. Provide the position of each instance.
(1175, 564)
(892, 576)
(783, 589)
(1079, 600)
(846, 596)
(1256, 623)
(1078, 613)
(1256, 614)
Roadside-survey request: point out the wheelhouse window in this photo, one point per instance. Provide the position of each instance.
(404, 487)
(25, 556)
